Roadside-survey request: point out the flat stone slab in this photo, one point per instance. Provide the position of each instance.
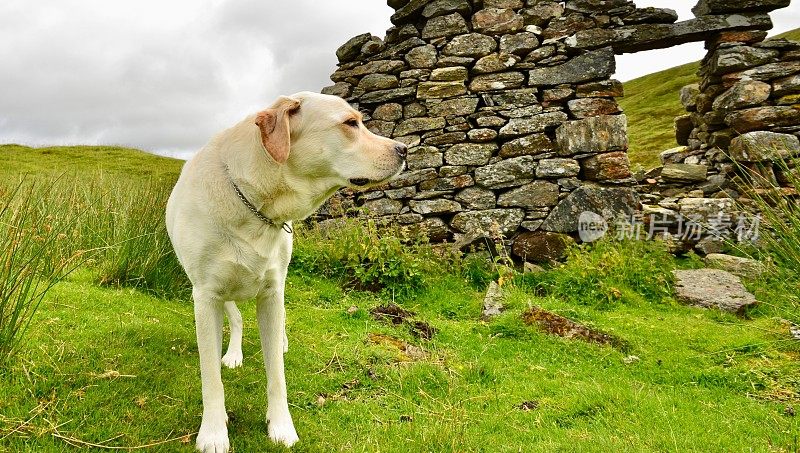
(712, 288)
(743, 267)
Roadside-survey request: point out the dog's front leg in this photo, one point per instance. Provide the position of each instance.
(213, 435)
(271, 319)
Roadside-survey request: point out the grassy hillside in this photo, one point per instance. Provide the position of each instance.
(110, 161)
(652, 102)
(109, 366)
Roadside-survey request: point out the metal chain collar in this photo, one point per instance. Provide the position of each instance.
(285, 226)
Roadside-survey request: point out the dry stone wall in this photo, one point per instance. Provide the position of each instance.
(508, 108)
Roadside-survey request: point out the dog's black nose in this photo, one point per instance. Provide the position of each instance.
(401, 150)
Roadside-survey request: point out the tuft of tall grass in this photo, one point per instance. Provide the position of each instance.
(608, 273)
(33, 258)
(778, 210)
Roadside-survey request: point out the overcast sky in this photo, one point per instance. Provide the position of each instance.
(164, 76)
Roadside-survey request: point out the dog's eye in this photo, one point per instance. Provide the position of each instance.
(352, 122)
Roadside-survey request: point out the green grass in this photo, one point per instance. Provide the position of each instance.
(117, 366)
(109, 161)
(652, 102)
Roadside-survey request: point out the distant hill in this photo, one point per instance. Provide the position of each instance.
(652, 102)
(115, 162)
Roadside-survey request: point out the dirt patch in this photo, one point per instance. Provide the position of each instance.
(566, 328)
(421, 329)
(391, 313)
(408, 352)
(396, 315)
(528, 406)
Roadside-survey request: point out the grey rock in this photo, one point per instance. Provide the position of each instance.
(413, 125)
(506, 220)
(492, 301)
(741, 267)
(373, 82)
(350, 50)
(457, 106)
(381, 96)
(599, 64)
(515, 98)
(786, 85)
(610, 203)
(507, 173)
(557, 168)
(482, 135)
(705, 7)
(440, 90)
(519, 43)
(650, 15)
(538, 194)
(449, 74)
(443, 7)
(411, 178)
(424, 157)
(712, 288)
(450, 183)
(540, 13)
(593, 135)
(603, 88)
(475, 198)
(636, 38)
(587, 107)
(689, 95)
(497, 81)
(745, 93)
(607, 167)
(372, 67)
(598, 6)
(422, 57)
(388, 112)
(473, 45)
(684, 173)
(765, 73)
(442, 26)
(341, 89)
(440, 206)
(683, 129)
(383, 207)
(409, 11)
(538, 123)
(495, 63)
(739, 58)
(764, 146)
(497, 21)
(702, 210)
(470, 154)
(759, 118)
(541, 246)
(530, 145)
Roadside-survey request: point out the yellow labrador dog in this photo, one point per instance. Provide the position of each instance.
(230, 221)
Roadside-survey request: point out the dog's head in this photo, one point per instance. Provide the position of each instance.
(322, 137)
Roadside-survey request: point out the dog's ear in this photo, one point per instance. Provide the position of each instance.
(274, 126)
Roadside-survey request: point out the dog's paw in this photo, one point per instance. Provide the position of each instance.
(213, 440)
(232, 359)
(283, 433)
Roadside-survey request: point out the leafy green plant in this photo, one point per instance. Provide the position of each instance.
(368, 256)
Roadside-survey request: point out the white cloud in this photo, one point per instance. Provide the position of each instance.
(165, 76)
